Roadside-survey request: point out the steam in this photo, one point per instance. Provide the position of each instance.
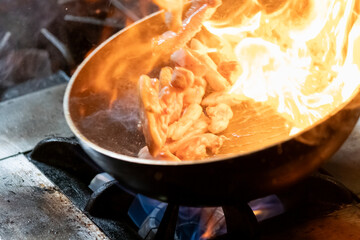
(124, 111)
(115, 128)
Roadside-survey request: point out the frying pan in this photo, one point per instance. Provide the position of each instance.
(101, 108)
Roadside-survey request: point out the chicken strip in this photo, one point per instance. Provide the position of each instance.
(229, 70)
(216, 81)
(201, 65)
(195, 93)
(182, 78)
(165, 76)
(173, 13)
(220, 116)
(184, 58)
(198, 46)
(200, 82)
(223, 97)
(200, 126)
(171, 102)
(153, 123)
(200, 11)
(180, 127)
(171, 99)
(199, 146)
(216, 56)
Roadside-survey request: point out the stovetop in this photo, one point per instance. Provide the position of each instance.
(39, 199)
(38, 202)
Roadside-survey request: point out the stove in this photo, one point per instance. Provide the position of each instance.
(50, 189)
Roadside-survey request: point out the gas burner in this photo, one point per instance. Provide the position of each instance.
(315, 196)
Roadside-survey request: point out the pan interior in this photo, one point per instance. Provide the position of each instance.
(103, 104)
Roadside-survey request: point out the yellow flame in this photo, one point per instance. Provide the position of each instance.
(301, 57)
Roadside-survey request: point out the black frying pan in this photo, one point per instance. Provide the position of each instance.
(101, 108)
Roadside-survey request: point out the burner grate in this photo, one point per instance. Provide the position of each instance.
(316, 196)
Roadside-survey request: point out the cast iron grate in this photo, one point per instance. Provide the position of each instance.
(317, 195)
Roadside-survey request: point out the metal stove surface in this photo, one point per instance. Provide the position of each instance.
(33, 207)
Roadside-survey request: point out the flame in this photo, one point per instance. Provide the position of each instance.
(212, 221)
(300, 57)
(209, 232)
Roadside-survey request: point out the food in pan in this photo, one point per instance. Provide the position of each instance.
(180, 118)
(184, 109)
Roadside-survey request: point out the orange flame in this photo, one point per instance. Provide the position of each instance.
(212, 220)
(209, 232)
(300, 57)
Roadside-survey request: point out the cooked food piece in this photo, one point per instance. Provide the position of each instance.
(196, 4)
(173, 13)
(163, 155)
(202, 65)
(167, 155)
(171, 102)
(229, 70)
(199, 127)
(165, 76)
(200, 82)
(182, 78)
(184, 58)
(180, 127)
(216, 81)
(194, 95)
(220, 116)
(199, 146)
(198, 46)
(200, 11)
(154, 127)
(222, 97)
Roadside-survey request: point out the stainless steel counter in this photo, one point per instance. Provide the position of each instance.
(32, 207)
(26, 120)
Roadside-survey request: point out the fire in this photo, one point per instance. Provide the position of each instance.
(300, 57)
(209, 232)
